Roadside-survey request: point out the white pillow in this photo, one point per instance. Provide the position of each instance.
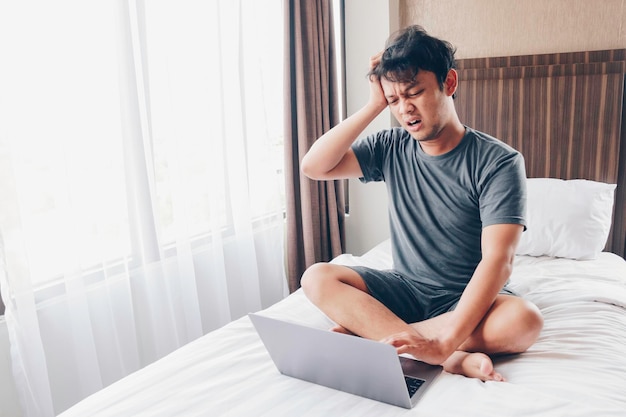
(567, 219)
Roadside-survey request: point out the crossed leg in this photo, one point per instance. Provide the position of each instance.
(510, 326)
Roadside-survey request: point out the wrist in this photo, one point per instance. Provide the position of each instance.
(449, 339)
(376, 105)
(374, 108)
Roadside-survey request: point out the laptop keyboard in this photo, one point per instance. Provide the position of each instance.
(413, 384)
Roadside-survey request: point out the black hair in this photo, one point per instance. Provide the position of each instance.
(411, 50)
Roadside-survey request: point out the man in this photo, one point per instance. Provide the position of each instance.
(456, 210)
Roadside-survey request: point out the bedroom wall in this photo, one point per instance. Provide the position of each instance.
(483, 28)
(478, 28)
(366, 29)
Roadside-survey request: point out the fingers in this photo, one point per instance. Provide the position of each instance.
(375, 59)
(402, 343)
(377, 94)
(399, 340)
(416, 345)
(404, 349)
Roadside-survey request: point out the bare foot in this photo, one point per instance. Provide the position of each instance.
(472, 365)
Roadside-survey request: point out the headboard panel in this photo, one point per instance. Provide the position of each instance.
(563, 112)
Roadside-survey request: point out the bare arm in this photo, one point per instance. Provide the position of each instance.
(498, 251)
(331, 157)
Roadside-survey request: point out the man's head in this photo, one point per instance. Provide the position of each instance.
(418, 79)
(412, 50)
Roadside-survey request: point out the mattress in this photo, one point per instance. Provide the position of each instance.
(576, 368)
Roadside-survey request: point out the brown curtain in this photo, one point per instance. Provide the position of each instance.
(315, 209)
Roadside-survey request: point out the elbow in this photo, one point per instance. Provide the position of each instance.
(501, 264)
(506, 262)
(308, 168)
(305, 167)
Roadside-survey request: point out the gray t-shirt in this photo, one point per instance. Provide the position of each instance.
(438, 205)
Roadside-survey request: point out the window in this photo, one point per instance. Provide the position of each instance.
(74, 186)
(182, 45)
(61, 136)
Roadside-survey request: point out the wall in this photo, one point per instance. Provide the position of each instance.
(366, 28)
(481, 28)
(478, 28)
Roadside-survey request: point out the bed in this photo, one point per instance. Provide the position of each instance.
(565, 112)
(576, 368)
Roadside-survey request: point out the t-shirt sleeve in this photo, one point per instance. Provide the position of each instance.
(370, 152)
(503, 198)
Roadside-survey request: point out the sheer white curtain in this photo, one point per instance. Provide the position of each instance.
(140, 171)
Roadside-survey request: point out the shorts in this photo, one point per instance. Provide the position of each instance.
(407, 298)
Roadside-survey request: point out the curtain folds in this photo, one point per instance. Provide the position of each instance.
(142, 200)
(315, 209)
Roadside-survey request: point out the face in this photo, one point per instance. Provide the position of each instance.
(422, 107)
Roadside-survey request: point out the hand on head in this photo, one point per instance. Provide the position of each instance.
(377, 95)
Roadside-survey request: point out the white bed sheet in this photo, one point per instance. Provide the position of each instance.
(576, 368)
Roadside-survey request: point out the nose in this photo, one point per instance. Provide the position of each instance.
(405, 106)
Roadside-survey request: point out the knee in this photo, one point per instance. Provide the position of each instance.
(314, 280)
(529, 325)
(512, 326)
(323, 281)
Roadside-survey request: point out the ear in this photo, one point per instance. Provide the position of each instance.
(451, 83)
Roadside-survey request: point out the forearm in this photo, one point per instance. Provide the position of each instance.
(328, 151)
(498, 244)
(434, 343)
(330, 156)
(489, 277)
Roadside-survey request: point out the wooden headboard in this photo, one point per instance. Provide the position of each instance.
(564, 112)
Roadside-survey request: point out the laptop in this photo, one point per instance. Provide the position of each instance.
(347, 363)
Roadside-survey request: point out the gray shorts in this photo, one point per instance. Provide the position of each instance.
(409, 299)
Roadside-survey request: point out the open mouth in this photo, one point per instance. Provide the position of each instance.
(413, 122)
